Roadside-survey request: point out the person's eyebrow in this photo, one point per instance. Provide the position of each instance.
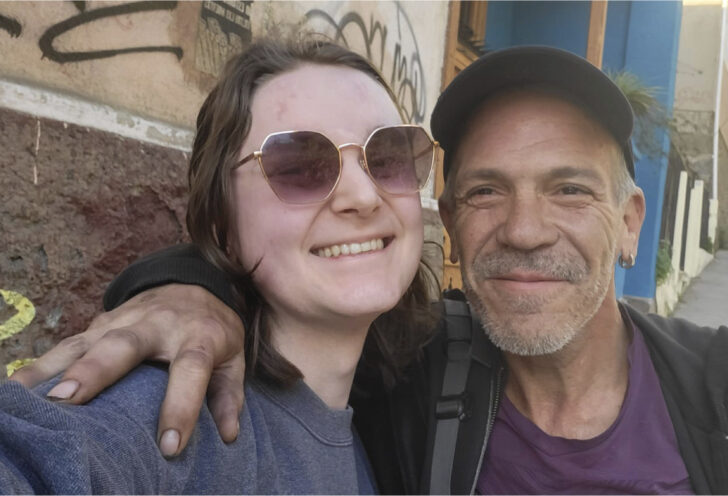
(570, 172)
(564, 172)
(481, 174)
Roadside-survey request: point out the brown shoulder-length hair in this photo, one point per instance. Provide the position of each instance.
(222, 126)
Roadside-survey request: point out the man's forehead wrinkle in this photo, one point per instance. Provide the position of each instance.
(569, 171)
(546, 174)
(481, 173)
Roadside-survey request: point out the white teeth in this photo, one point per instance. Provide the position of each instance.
(351, 248)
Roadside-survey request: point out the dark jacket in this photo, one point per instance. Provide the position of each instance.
(397, 427)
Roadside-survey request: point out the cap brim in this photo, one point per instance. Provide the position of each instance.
(530, 65)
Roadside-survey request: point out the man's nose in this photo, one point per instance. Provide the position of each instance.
(525, 225)
(356, 192)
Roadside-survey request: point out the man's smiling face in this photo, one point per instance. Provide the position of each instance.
(535, 220)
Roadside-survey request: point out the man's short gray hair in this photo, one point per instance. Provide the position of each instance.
(624, 184)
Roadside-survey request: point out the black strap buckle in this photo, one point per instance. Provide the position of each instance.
(454, 406)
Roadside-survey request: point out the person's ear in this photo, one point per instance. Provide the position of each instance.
(632, 218)
(447, 216)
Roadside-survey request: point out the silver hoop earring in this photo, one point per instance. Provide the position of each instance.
(626, 264)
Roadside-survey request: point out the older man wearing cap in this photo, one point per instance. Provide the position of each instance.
(567, 390)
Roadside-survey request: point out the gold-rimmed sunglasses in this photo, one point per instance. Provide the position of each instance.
(305, 166)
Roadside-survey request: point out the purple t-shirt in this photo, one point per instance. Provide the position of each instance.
(638, 454)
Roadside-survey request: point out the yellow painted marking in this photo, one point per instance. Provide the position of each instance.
(16, 364)
(19, 321)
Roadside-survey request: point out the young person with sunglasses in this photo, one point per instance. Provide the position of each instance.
(304, 189)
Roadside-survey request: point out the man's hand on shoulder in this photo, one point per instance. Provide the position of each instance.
(184, 325)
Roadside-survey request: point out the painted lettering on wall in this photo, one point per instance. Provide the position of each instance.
(404, 70)
(16, 364)
(89, 16)
(24, 313)
(10, 25)
(224, 28)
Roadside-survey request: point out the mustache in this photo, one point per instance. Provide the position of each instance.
(503, 262)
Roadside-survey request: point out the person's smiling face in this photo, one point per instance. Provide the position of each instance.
(296, 275)
(535, 222)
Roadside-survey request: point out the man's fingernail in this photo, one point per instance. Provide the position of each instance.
(63, 390)
(169, 442)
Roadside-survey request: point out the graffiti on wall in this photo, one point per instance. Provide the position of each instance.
(225, 27)
(23, 313)
(12, 26)
(89, 16)
(405, 73)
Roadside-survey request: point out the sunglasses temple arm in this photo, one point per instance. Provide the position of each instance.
(246, 159)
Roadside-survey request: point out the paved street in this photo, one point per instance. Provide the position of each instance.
(706, 300)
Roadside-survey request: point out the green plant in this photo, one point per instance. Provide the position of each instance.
(707, 244)
(650, 115)
(663, 266)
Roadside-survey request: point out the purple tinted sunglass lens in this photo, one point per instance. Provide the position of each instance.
(301, 166)
(399, 158)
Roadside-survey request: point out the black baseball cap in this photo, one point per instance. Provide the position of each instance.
(528, 65)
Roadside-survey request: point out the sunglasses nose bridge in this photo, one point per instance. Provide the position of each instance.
(361, 158)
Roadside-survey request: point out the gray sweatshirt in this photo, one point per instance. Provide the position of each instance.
(289, 442)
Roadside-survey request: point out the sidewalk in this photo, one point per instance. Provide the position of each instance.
(706, 300)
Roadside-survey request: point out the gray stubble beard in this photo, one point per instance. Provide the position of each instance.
(534, 342)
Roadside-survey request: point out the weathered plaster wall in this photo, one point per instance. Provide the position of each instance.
(78, 202)
(722, 229)
(159, 59)
(77, 206)
(695, 85)
(697, 59)
(695, 100)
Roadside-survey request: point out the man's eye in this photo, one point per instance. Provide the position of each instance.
(572, 190)
(481, 196)
(481, 191)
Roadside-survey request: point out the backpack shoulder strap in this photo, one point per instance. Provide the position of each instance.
(452, 405)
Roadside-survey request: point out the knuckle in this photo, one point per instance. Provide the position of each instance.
(210, 325)
(211, 329)
(125, 337)
(76, 345)
(194, 358)
(102, 320)
(90, 368)
(164, 312)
